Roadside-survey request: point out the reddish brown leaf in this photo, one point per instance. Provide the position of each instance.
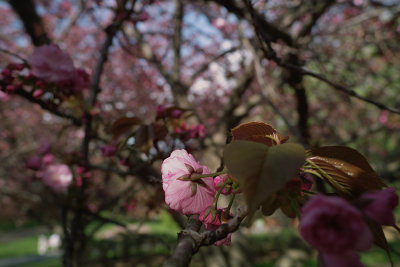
(350, 171)
(144, 138)
(257, 132)
(123, 124)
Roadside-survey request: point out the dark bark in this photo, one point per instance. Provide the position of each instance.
(33, 24)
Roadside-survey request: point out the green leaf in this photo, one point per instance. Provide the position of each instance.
(345, 169)
(144, 138)
(262, 170)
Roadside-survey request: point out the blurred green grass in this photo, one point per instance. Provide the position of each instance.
(160, 239)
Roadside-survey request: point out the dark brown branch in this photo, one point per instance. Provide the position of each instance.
(316, 12)
(190, 241)
(270, 54)
(33, 24)
(339, 87)
(177, 40)
(272, 31)
(45, 106)
(186, 246)
(205, 66)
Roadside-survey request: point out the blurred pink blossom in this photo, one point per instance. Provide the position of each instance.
(81, 80)
(34, 163)
(186, 197)
(381, 205)
(52, 64)
(108, 150)
(48, 159)
(45, 147)
(57, 176)
(332, 225)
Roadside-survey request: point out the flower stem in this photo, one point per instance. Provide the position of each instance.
(219, 193)
(206, 175)
(230, 204)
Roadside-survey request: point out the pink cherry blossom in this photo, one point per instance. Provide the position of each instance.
(57, 176)
(381, 205)
(332, 225)
(186, 197)
(52, 64)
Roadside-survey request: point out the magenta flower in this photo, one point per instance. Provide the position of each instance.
(52, 64)
(347, 259)
(57, 176)
(381, 205)
(34, 163)
(185, 196)
(81, 80)
(333, 226)
(108, 150)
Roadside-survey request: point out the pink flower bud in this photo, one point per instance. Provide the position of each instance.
(176, 113)
(34, 163)
(108, 150)
(219, 181)
(17, 66)
(80, 170)
(48, 158)
(381, 205)
(211, 216)
(11, 88)
(45, 147)
(161, 111)
(38, 93)
(6, 73)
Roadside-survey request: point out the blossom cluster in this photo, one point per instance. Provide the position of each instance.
(187, 194)
(183, 131)
(55, 175)
(48, 69)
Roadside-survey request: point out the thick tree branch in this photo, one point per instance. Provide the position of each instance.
(45, 106)
(177, 40)
(269, 53)
(190, 240)
(205, 66)
(272, 31)
(26, 10)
